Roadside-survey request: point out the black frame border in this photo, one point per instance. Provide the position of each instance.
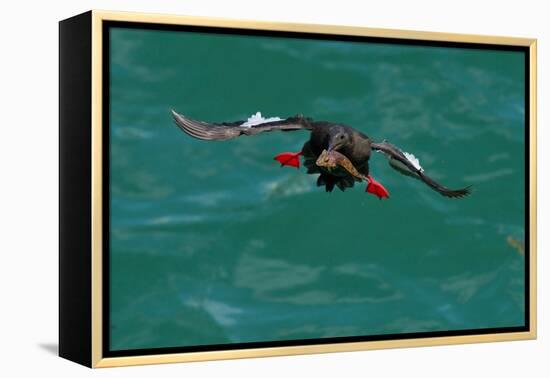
(107, 25)
(75, 180)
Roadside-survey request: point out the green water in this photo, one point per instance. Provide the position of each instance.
(212, 242)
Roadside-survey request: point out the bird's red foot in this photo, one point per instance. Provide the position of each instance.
(374, 187)
(289, 158)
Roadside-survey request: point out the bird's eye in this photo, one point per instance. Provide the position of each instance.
(341, 137)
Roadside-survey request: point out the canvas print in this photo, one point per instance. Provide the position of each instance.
(282, 189)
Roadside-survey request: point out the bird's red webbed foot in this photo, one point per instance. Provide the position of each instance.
(291, 159)
(374, 187)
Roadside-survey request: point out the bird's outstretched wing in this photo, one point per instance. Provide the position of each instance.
(407, 164)
(229, 130)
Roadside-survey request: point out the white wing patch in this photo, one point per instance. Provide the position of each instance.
(257, 119)
(414, 161)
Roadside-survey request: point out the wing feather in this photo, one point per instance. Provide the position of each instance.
(229, 130)
(416, 171)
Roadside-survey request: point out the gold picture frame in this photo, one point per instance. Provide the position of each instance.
(82, 341)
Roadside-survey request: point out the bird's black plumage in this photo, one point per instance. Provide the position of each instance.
(356, 146)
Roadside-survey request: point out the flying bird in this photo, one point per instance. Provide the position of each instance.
(325, 137)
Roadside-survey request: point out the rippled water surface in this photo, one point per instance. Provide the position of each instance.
(212, 242)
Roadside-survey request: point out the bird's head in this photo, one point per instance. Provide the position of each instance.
(338, 138)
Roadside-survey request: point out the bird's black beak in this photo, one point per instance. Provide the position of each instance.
(330, 147)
